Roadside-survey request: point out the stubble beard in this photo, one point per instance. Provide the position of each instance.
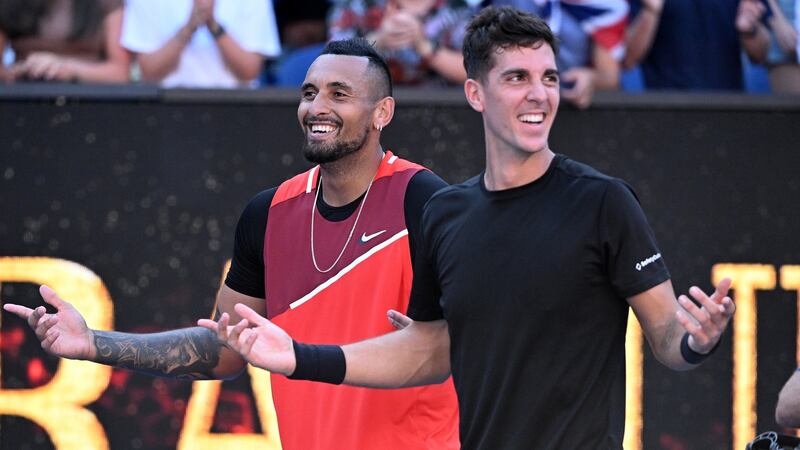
(328, 152)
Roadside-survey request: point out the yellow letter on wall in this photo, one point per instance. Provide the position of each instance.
(196, 433)
(747, 278)
(634, 367)
(58, 406)
(790, 280)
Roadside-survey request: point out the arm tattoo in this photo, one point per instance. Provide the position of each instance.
(189, 353)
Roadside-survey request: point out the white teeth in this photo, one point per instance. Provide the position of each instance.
(322, 128)
(532, 118)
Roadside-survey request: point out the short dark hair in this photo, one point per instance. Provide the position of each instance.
(499, 28)
(358, 46)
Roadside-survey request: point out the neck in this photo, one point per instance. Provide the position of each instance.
(510, 169)
(348, 178)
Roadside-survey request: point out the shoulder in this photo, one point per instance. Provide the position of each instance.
(425, 183)
(452, 199)
(588, 177)
(259, 204)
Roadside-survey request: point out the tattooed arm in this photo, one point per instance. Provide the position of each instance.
(665, 321)
(190, 353)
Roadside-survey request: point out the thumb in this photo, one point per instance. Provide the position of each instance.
(50, 296)
(247, 313)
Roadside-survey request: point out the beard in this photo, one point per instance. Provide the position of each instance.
(328, 152)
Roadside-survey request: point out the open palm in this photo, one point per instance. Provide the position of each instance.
(64, 333)
(259, 341)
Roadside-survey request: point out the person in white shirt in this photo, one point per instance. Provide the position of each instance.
(200, 43)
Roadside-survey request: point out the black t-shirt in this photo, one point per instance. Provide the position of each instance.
(532, 282)
(246, 274)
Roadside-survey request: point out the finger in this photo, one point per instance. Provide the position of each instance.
(729, 305)
(37, 314)
(21, 311)
(691, 327)
(721, 290)
(247, 340)
(398, 320)
(253, 317)
(222, 327)
(236, 331)
(53, 71)
(45, 323)
(50, 339)
(704, 300)
(208, 324)
(700, 316)
(50, 297)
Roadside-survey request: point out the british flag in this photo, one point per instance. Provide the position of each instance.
(603, 20)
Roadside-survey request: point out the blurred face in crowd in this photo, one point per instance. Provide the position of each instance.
(336, 107)
(418, 8)
(518, 98)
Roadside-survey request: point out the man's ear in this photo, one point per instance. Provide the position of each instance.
(474, 93)
(384, 112)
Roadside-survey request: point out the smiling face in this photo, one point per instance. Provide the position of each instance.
(336, 108)
(518, 98)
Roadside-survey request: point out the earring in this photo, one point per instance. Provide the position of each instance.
(378, 127)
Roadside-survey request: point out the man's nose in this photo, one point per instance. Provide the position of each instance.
(537, 92)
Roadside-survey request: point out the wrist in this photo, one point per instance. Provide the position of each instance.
(750, 33)
(216, 30)
(186, 32)
(427, 50)
(692, 356)
(323, 363)
(92, 353)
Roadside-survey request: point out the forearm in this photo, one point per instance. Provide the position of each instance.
(667, 347)
(99, 72)
(190, 353)
(244, 65)
(639, 37)
(160, 63)
(414, 356)
(787, 412)
(449, 64)
(756, 43)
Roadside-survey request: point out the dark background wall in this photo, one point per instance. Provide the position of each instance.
(144, 188)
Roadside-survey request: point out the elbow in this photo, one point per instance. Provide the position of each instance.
(787, 414)
(250, 70)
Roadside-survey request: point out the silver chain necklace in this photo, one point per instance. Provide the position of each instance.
(350, 236)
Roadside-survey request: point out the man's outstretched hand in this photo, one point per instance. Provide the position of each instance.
(259, 341)
(706, 322)
(62, 334)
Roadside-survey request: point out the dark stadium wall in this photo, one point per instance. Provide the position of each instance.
(144, 189)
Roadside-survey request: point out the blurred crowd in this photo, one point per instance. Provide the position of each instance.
(632, 45)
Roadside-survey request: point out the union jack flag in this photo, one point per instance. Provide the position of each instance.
(603, 20)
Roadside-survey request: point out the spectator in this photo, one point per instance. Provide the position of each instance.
(420, 39)
(63, 40)
(302, 22)
(685, 44)
(304, 30)
(787, 413)
(200, 43)
(769, 37)
(591, 42)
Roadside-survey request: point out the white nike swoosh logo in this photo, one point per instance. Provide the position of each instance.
(367, 237)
